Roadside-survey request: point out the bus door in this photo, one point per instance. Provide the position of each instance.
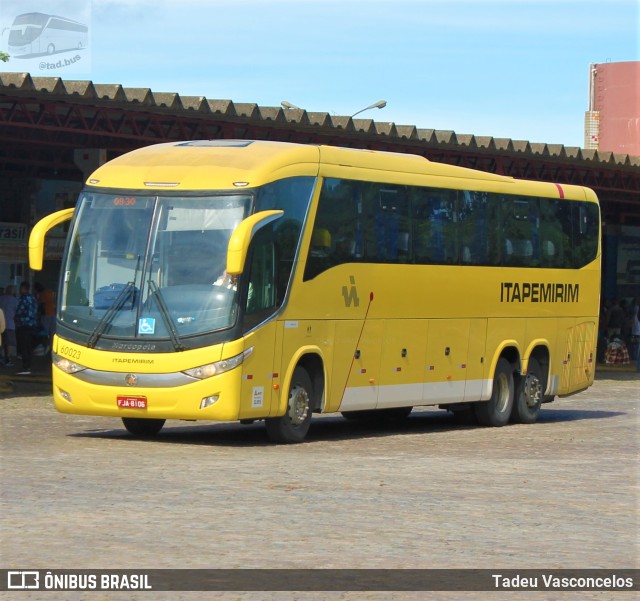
(259, 371)
(446, 361)
(402, 363)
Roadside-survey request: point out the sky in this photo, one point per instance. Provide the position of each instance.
(504, 68)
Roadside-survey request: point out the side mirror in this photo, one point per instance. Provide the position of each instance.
(241, 238)
(38, 233)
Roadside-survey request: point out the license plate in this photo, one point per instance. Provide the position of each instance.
(132, 402)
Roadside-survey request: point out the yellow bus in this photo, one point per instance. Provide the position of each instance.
(252, 280)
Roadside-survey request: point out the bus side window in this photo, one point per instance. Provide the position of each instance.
(521, 246)
(337, 232)
(585, 233)
(387, 231)
(475, 233)
(293, 196)
(552, 238)
(435, 226)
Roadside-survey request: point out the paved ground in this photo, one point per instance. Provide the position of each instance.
(78, 492)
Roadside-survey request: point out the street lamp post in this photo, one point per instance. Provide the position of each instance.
(285, 104)
(378, 105)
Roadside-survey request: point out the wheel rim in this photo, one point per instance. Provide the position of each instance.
(299, 405)
(532, 391)
(502, 400)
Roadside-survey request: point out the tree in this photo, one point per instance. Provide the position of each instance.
(4, 57)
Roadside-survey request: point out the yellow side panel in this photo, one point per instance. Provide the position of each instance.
(402, 368)
(476, 360)
(446, 361)
(363, 363)
(342, 361)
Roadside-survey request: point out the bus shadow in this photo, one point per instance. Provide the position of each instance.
(331, 428)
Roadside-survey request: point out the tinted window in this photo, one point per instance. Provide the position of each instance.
(385, 223)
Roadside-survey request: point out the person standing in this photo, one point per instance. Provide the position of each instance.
(2, 323)
(635, 330)
(615, 319)
(26, 321)
(46, 298)
(8, 304)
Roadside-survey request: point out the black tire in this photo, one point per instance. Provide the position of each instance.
(292, 427)
(529, 395)
(378, 415)
(143, 426)
(51, 49)
(497, 410)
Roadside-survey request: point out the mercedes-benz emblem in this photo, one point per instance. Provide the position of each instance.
(131, 379)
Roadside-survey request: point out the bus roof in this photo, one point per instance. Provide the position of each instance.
(41, 19)
(233, 164)
(207, 165)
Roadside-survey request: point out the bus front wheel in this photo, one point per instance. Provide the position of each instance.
(497, 410)
(142, 426)
(526, 407)
(51, 49)
(293, 426)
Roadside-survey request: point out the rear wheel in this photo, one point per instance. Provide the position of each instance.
(293, 426)
(142, 426)
(529, 394)
(497, 410)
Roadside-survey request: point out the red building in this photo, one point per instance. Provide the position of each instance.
(612, 122)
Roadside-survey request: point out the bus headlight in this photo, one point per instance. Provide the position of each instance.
(66, 365)
(219, 367)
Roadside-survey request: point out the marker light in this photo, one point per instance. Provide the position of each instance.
(219, 367)
(208, 401)
(66, 365)
(65, 395)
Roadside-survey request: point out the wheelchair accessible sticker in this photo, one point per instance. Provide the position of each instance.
(146, 325)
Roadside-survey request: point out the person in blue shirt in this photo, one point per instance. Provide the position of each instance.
(26, 320)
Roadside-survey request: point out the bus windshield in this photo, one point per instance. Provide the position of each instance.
(26, 28)
(149, 267)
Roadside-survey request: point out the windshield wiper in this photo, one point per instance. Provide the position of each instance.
(166, 317)
(108, 317)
